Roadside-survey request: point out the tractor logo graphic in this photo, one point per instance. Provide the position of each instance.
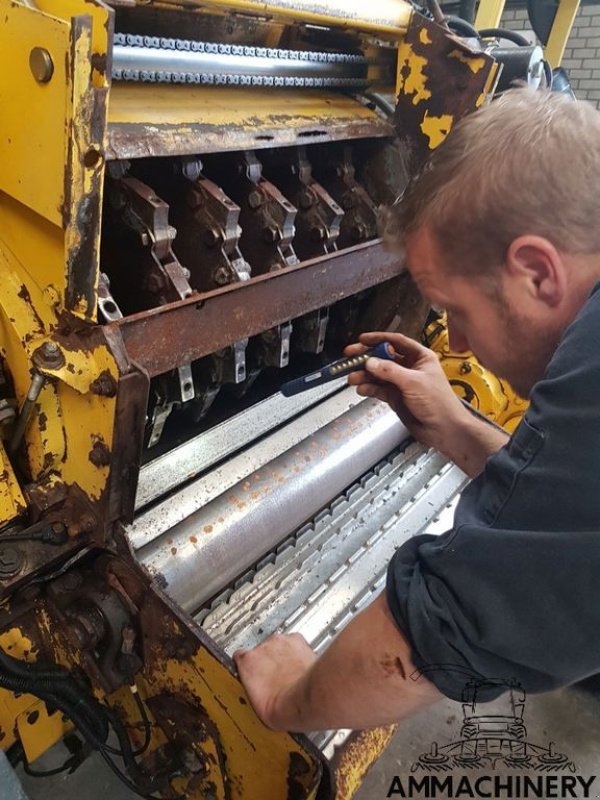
(493, 739)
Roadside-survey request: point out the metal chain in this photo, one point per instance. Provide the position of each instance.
(161, 76)
(162, 43)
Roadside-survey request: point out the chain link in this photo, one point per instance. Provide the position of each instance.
(162, 43)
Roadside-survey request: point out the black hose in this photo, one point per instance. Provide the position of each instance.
(28, 670)
(462, 27)
(53, 683)
(146, 722)
(503, 33)
(381, 103)
(93, 727)
(58, 689)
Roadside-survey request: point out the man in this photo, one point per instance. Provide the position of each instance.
(501, 230)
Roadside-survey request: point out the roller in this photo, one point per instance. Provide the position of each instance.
(208, 550)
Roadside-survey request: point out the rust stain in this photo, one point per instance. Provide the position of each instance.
(193, 539)
(99, 455)
(173, 551)
(208, 529)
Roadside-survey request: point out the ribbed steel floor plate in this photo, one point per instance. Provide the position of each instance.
(335, 565)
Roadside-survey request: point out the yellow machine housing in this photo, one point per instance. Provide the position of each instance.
(176, 241)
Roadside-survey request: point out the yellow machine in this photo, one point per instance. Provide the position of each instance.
(489, 395)
(188, 203)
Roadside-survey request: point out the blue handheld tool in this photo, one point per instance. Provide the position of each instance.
(337, 369)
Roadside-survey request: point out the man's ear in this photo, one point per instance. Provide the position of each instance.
(538, 267)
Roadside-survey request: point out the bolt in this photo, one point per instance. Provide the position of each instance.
(49, 356)
(221, 276)
(57, 534)
(255, 199)
(41, 64)
(11, 561)
(465, 368)
(191, 168)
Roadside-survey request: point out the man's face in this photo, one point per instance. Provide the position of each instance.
(484, 315)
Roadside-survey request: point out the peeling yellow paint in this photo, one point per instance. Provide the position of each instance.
(12, 502)
(411, 79)
(436, 128)
(424, 36)
(474, 64)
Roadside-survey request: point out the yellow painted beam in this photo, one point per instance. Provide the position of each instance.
(561, 30)
(489, 13)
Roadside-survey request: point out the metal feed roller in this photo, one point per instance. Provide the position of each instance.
(164, 60)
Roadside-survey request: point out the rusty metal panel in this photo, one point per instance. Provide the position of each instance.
(161, 339)
(440, 79)
(159, 120)
(384, 17)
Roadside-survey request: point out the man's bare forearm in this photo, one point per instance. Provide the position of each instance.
(365, 678)
(470, 441)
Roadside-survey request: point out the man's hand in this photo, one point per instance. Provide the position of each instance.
(416, 388)
(271, 672)
(365, 678)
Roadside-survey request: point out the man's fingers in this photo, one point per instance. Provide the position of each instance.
(354, 349)
(402, 344)
(360, 376)
(374, 390)
(389, 372)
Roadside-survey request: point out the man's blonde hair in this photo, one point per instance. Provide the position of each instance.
(528, 163)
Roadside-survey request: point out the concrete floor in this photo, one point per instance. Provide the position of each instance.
(570, 718)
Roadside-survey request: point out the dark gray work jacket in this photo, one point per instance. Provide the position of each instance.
(512, 593)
